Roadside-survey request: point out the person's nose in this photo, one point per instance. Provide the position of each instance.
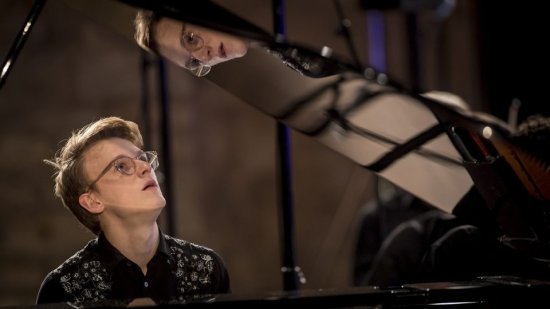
(205, 54)
(143, 168)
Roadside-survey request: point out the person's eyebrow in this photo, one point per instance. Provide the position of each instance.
(116, 158)
(136, 154)
(139, 153)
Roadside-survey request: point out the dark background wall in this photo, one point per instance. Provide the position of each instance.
(515, 57)
(79, 65)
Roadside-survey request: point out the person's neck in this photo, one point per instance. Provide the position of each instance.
(137, 243)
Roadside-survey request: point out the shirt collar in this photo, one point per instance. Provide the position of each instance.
(108, 253)
(163, 246)
(112, 257)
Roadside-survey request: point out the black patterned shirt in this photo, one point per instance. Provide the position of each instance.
(100, 274)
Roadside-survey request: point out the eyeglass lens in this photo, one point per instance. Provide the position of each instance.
(193, 42)
(127, 166)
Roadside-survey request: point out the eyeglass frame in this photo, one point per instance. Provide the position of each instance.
(154, 163)
(199, 68)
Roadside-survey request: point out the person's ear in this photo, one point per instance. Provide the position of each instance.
(89, 202)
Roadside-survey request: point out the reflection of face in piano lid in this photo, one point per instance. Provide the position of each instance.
(184, 44)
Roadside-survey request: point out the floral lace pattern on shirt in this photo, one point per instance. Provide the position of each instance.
(85, 279)
(193, 270)
(89, 282)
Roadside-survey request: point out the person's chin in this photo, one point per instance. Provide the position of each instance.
(162, 203)
(158, 204)
(154, 210)
(235, 49)
(241, 51)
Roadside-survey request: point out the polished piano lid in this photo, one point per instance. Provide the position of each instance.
(432, 147)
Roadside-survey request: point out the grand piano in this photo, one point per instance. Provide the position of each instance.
(484, 292)
(347, 107)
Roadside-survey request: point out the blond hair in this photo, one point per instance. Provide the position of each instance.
(69, 176)
(144, 23)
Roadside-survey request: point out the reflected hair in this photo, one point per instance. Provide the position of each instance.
(144, 24)
(533, 135)
(69, 176)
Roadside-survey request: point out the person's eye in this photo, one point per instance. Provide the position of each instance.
(124, 166)
(193, 63)
(191, 40)
(143, 157)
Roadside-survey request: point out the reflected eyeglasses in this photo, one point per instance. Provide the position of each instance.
(127, 166)
(193, 42)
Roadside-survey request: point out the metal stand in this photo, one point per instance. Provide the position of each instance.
(165, 133)
(20, 40)
(166, 155)
(292, 274)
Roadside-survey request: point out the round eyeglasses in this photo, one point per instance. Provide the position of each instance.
(193, 42)
(127, 166)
